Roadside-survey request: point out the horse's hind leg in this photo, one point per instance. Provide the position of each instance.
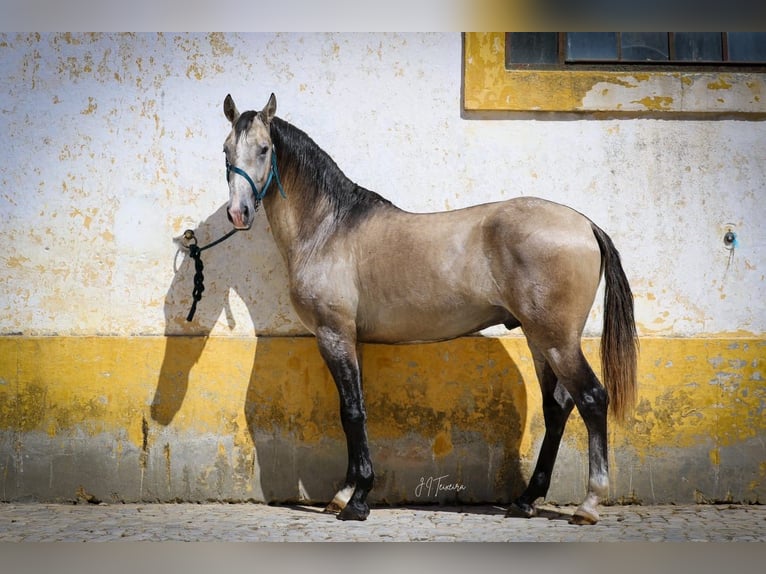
(557, 405)
(576, 376)
(339, 353)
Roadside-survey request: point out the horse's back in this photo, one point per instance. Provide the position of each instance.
(525, 215)
(443, 275)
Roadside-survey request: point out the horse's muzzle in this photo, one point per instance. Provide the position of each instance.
(241, 218)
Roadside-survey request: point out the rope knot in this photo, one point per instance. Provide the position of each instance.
(199, 278)
(195, 252)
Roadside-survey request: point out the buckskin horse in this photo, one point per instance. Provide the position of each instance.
(363, 270)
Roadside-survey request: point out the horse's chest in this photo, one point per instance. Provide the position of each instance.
(322, 293)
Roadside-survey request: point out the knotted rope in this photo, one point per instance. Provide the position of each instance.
(195, 252)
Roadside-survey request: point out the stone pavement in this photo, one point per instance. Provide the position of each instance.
(261, 523)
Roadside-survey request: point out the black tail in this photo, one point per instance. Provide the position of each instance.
(619, 340)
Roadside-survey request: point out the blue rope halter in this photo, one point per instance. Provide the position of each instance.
(273, 173)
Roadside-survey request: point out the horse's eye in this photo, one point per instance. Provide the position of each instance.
(264, 150)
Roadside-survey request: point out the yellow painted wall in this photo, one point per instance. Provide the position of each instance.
(195, 418)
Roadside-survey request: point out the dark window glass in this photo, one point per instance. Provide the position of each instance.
(644, 46)
(591, 46)
(563, 50)
(747, 46)
(698, 46)
(533, 48)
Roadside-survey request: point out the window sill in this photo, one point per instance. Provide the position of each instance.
(489, 87)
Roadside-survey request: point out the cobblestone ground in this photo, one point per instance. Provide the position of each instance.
(262, 523)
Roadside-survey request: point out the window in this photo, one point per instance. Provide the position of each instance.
(636, 74)
(561, 49)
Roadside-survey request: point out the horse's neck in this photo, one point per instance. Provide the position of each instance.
(301, 222)
(296, 226)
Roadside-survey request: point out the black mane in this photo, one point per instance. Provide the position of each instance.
(296, 150)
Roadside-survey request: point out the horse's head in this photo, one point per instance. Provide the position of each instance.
(249, 164)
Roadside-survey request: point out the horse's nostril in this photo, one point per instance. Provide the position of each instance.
(245, 212)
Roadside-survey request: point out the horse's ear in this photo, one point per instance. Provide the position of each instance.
(230, 109)
(270, 109)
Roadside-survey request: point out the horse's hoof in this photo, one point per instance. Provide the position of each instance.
(354, 513)
(332, 508)
(582, 517)
(521, 510)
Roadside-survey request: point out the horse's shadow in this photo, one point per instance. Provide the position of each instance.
(413, 435)
(228, 268)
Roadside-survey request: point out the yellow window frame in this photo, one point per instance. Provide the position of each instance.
(489, 87)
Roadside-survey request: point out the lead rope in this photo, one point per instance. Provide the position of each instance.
(195, 252)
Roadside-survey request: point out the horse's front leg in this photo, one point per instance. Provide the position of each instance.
(339, 353)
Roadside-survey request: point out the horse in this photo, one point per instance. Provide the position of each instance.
(362, 270)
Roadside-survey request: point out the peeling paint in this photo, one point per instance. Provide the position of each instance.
(722, 84)
(655, 102)
(128, 125)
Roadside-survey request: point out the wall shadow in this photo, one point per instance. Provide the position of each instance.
(455, 409)
(228, 268)
(445, 422)
(182, 352)
(291, 409)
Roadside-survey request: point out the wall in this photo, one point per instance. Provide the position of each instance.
(114, 148)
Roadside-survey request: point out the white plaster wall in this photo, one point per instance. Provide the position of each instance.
(112, 148)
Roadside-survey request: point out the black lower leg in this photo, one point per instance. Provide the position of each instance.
(592, 404)
(557, 405)
(340, 356)
(360, 471)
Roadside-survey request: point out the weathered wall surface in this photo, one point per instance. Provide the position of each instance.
(113, 149)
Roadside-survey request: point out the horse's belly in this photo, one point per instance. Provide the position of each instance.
(408, 325)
